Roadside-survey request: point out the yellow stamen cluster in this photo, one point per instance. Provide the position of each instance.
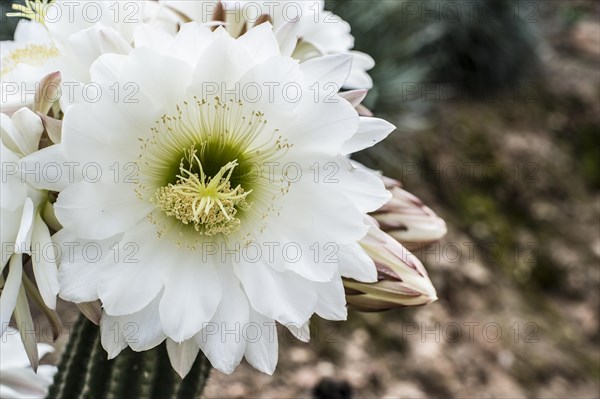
(209, 203)
(194, 199)
(32, 54)
(34, 10)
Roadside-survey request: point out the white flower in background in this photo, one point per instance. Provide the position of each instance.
(22, 64)
(17, 379)
(22, 230)
(314, 30)
(67, 37)
(208, 192)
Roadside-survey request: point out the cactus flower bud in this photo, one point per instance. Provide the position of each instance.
(402, 279)
(407, 219)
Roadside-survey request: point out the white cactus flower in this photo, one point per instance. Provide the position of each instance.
(216, 184)
(17, 379)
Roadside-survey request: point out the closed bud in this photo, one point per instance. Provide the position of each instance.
(356, 97)
(408, 220)
(47, 93)
(402, 279)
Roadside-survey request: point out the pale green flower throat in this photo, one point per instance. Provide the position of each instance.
(209, 203)
(204, 170)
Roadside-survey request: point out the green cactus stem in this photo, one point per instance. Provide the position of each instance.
(85, 372)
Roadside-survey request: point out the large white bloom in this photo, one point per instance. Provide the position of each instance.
(67, 37)
(17, 379)
(215, 216)
(316, 32)
(22, 230)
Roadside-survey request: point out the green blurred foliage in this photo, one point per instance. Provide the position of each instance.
(476, 46)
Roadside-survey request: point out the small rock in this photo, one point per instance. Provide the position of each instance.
(331, 389)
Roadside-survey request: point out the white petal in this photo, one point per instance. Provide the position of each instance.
(54, 173)
(283, 296)
(141, 330)
(14, 190)
(91, 43)
(329, 70)
(329, 33)
(122, 288)
(282, 249)
(107, 68)
(143, 66)
(362, 187)
(25, 129)
(149, 332)
(356, 264)
(370, 132)
(192, 293)
(44, 262)
(287, 36)
(262, 345)
(332, 300)
(11, 347)
(80, 265)
(111, 336)
(308, 209)
(222, 340)
(8, 232)
(228, 62)
(30, 31)
(362, 60)
(359, 78)
(182, 356)
(112, 131)
(44, 349)
(100, 210)
(22, 383)
(23, 240)
(192, 34)
(270, 79)
(328, 124)
(261, 42)
(10, 221)
(152, 37)
(318, 262)
(132, 275)
(301, 332)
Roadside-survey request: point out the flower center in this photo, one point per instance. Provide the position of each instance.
(209, 203)
(209, 171)
(32, 54)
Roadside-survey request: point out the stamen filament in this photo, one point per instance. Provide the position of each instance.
(193, 197)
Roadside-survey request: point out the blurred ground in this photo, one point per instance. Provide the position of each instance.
(516, 174)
